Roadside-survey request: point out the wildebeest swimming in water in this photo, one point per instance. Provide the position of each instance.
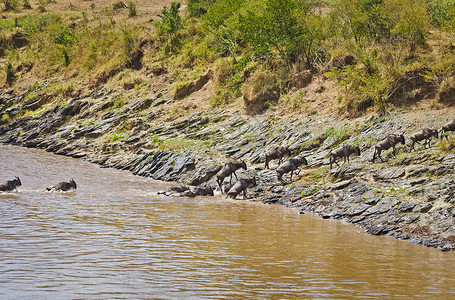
(63, 186)
(343, 151)
(389, 141)
(10, 185)
(240, 187)
(424, 134)
(276, 153)
(228, 169)
(186, 191)
(290, 165)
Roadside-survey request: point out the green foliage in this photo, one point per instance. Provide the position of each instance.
(273, 27)
(442, 13)
(132, 9)
(10, 4)
(170, 23)
(27, 4)
(197, 8)
(9, 74)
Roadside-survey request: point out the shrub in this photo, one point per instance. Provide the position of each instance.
(10, 4)
(170, 23)
(132, 6)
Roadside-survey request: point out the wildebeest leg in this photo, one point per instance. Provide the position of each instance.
(379, 155)
(235, 175)
(394, 153)
(291, 175)
(244, 194)
(219, 184)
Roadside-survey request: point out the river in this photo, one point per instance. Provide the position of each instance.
(114, 238)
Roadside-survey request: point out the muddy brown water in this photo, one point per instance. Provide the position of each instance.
(114, 238)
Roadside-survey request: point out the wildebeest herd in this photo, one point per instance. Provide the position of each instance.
(11, 185)
(291, 165)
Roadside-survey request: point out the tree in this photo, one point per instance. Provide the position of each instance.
(170, 23)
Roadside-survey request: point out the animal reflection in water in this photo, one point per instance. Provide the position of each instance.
(10, 185)
(63, 186)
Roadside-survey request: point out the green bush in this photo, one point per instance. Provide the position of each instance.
(132, 9)
(10, 4)
(170, 23)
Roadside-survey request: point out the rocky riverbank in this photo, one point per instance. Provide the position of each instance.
(410, 196)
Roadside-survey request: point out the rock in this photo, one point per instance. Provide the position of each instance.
(389, 173)
(406, 206)
(73, 108)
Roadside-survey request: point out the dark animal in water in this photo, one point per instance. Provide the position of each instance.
(424, 134)
(390, 141)
(343, 151)
(199, 191)
(446, 128)
(185, 191)
(10, 185)
(63, 186)
(175, 191)
(240, 187)
(290, 165)
(228, 169)
(277, 153)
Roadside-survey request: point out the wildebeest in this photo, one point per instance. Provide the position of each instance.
(424, 134)
(290, 165)
(240, 186)
(10, 185)
(390, 141)
(446, 128)
(228, 169)
(199, 191)
(343, 151)
(63, 186)
(276, 153)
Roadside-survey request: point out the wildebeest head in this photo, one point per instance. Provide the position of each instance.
(402, 139)
(17, 181)
(73, 183)
(243, 165)
(434, 132)
(357, 150)
(303, 160)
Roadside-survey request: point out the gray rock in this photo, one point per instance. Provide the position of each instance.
(389, 173)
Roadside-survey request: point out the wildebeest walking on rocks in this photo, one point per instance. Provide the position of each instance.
(10, 185)
(228, 169)
(390, 141)
(276, 153)
(343, 151)
(63, 186)
(424, 134)
(446, 128)
(290, 165)
(240, 187)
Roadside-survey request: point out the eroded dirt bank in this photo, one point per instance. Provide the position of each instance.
(411, 196)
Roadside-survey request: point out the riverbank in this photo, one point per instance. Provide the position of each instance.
(410, 196)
